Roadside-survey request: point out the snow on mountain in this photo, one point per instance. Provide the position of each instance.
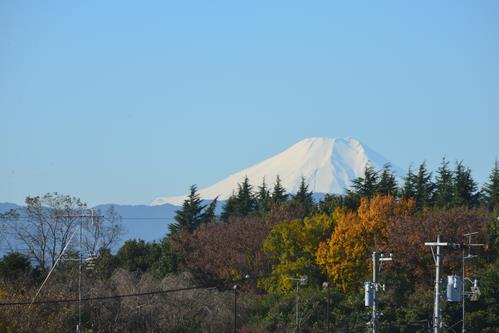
(327, 164)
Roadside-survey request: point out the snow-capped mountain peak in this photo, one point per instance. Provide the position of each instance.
(327, 164)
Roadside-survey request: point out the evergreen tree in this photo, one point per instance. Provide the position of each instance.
(330, 202)
(263, 199)
(209, 214)
(167, 261)
(465, 188)
(229, 208)
(351, 201)
(409, 189)
(245, 200)
(241, 204)
(304, 198)
(137, 255)
(387, 183)
(361, 187)
(444, 186)
(15, 265)
(491, 189)
(423, 187)
(366, 186)
(279, 195)
(191, 215)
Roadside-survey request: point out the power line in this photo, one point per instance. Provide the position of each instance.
(121, 217)
(147, 218)
(100, 298)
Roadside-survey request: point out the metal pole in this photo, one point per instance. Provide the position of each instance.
(235, 308)
(462, 296)
(375, 301)
(79, 277)
(327, 311)
(437, 316)
(468, 245)
(436, 313)
(297, 309)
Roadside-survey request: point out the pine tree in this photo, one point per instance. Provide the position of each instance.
(304, 198)
(387, 183)
(465, 188)
(491, 189)
(366, 186)
(330, 203)
(279, 195)
(409, 189)
(351, 200)
(245, 200)
(229, 208)
(191, 215)
(263, 200)
(241, 204)
(423, 187)
(444, 185)
(209, 213)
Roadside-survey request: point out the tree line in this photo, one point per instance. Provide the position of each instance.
(273, 237)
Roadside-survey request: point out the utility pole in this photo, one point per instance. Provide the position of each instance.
(374, 316)
(79, 275)
(437, 318)
(80, 259)
(297, 312)
(371, 298)
(302, 280)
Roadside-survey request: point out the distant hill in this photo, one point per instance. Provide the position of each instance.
(6, 206)
(145, 222)
(149, 223)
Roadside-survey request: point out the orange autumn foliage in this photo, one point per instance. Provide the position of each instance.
(344, 257)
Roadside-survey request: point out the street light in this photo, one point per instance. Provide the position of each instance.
(235, 287)
(325, 286)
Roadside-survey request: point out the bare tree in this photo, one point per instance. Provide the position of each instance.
(103, 231)
(47, 224)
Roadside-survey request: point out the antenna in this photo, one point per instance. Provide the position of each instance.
(301, 281)
(474, 294)
(80, 260)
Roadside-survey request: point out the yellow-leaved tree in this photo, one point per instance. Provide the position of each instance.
(292, 246)
(344, 256)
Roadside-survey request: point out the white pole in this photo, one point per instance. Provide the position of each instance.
(436, 313)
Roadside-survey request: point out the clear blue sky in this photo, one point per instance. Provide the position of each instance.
(121, 101)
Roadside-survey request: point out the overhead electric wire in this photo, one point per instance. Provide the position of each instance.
(120, 218)
(148, 218)
(100, 298)
(147, 293)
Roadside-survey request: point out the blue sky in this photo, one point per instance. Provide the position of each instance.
(121, 101)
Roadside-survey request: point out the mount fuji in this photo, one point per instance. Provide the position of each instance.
(327, 164)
